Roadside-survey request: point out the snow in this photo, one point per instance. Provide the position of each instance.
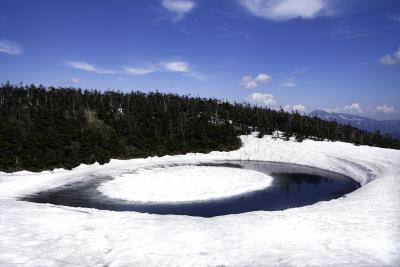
(360, 229)
(196, 183)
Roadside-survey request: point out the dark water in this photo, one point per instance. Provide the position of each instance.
(293, 186)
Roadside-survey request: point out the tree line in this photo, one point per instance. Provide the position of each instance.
(47, 127)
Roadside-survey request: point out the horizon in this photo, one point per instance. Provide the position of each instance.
(341, 56)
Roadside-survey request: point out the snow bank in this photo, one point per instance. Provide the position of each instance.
(360, 229)
(184, 184)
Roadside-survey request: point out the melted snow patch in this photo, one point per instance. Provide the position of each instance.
(184, 184)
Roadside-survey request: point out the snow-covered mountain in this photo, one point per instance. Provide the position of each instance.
(391, 127)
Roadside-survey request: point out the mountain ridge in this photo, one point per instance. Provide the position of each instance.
(390, 127)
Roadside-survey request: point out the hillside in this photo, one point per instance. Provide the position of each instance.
(45, 128)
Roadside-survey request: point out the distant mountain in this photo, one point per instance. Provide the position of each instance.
(391, 127)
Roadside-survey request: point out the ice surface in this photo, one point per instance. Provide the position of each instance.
(184, 184)
(360, 229)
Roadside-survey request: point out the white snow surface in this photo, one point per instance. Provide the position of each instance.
(196, 183)
(360, 229)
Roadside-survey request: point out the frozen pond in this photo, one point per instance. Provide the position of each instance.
(292, 186)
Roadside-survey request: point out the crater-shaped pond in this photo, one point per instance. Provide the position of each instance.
(293, 186)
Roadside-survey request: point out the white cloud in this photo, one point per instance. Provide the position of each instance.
(82, 66)
(175, 66)
(288, 83)
(89, 67)
(260, 99)
(287, 108)
(391, 59)
(179, 7)
(138, 71)
(249, 82)
(281, 10)
(262, 77)
(356, 108)
(385, 109)
(353, 108)
(387, 60)
(9, 47)
(299, 108)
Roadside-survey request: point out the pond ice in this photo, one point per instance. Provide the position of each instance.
(184, 184)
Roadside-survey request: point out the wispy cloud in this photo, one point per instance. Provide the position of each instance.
(282, 10)
(196, 75)
(183, 67)
(249, 81)
(177, 66)
(288, 83)
(262, 100)
(10, 47)
(395, 17)
(233, 33)
(89, 67)
(391, 59)
(344, 34)
(302, 70)
(81, 66)
(139, 70)
(179, 7)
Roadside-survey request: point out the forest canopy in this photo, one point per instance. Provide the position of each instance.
(46, 127)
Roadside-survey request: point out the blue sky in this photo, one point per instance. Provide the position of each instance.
(339, 55)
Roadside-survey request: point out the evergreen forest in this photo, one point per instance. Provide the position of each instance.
(45, 127)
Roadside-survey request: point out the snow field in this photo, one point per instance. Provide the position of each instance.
(360, 229)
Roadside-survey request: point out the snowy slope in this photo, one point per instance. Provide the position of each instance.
(360, 229)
